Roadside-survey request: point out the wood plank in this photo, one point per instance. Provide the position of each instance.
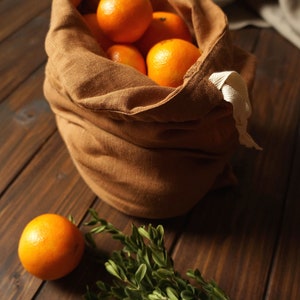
(283, 66)
(22, 53)
(285, 275)
(14, 14)
(246, 38)
(27, 115)
(50, 183)
(232, 233)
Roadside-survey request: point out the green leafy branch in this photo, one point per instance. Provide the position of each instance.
(144, 270)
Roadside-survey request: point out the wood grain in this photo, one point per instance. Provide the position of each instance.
(285, 273)
(22, 53)
(245, 237)
(27, 122)
(15, 14)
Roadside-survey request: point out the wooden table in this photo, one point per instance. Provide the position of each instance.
(247, 238)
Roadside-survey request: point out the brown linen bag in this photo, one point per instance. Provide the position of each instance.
(149, 151)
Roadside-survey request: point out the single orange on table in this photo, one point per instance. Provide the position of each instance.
(92, 23)
(169, 60)
(128, 55)
(50, 246)
(124, 21)
(164, 26)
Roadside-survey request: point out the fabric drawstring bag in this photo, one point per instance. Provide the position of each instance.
(147, 150)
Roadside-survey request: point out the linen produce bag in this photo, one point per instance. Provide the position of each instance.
(147, 150)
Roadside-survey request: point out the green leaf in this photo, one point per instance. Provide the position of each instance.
(98, 229)
(187, 295)
(112, 268)
(157, 295)
(71, 219)
(154, 297)
(142, 257)
(164, 273)
(152, 232)
(119, 236)
(94, 214)
(159, 258)
(90, 240)
(172, 294)
(143, 232)
(161, 233)
(140, 273)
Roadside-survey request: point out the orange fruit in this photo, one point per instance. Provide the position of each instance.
(50, 246)
(76, 2)
(169, 60)
(164, 26)
(128, 55)
(124, 21)
(92, 23)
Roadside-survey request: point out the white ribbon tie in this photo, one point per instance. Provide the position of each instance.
(235, 91)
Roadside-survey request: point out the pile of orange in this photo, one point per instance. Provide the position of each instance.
(157, 43)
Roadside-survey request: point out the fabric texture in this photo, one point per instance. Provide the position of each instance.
(282, 15)
(149, 151)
